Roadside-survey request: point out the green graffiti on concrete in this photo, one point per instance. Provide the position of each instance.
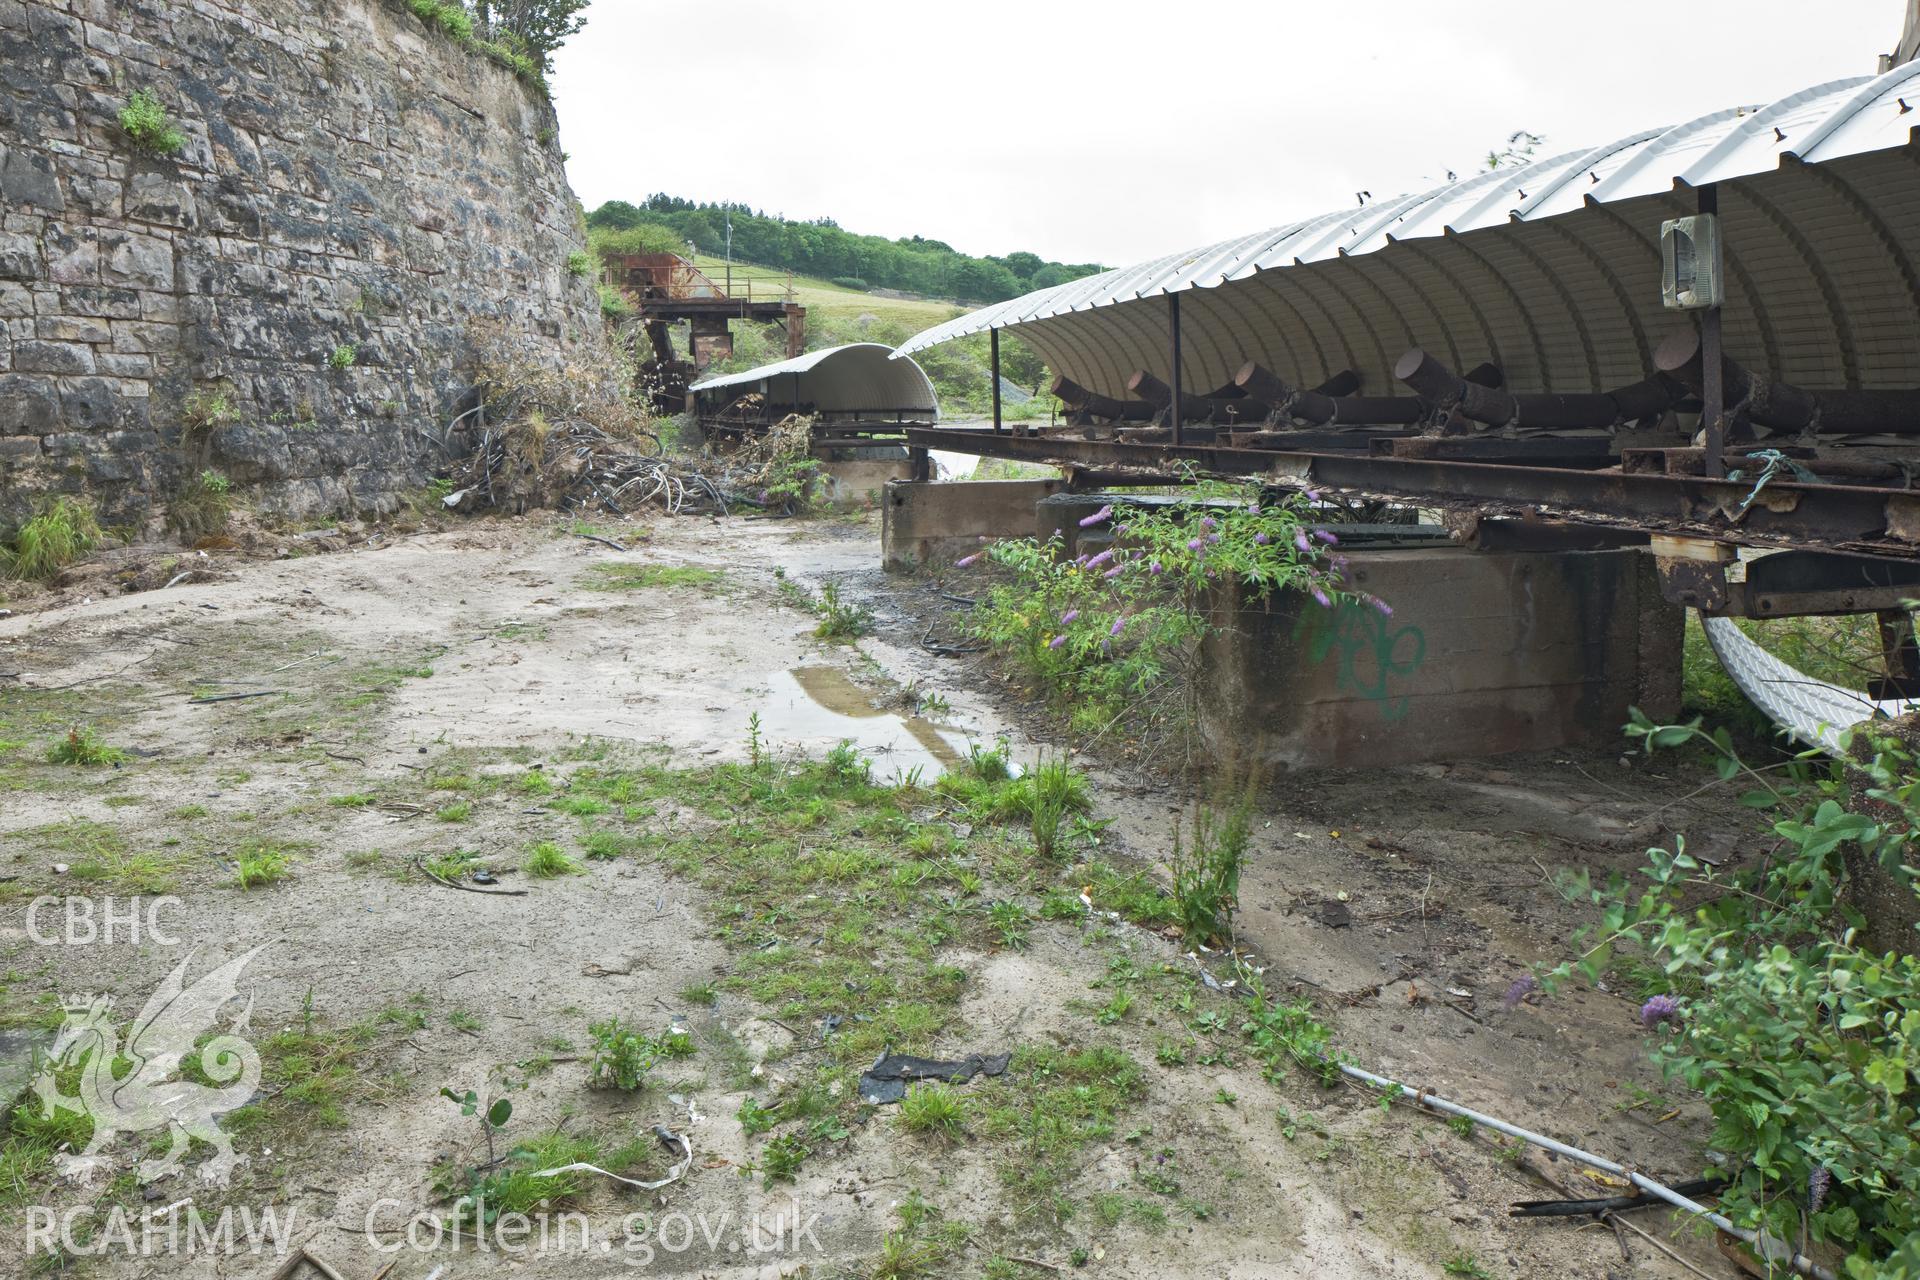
(1372, 653)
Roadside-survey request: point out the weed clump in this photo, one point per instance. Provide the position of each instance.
(84, 746)
(840, 619)
(546, 860)
(261, 865)
(936, 1109)
(1206, 867)
(63, 531)
(623, 1058)
(203, 508)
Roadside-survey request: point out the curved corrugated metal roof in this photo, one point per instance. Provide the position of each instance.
(859, 377)
(1550, 269)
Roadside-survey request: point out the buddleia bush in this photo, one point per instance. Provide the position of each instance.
(1107, 631)
(1803, 1041)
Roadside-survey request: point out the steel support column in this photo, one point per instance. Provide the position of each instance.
(993, 350)
(1173, 341)
(1713, 395)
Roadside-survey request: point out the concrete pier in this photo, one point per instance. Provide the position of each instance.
(857, 475)
(1484, 652)
(927, 521)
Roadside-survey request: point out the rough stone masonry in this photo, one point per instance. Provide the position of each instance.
(352, 181)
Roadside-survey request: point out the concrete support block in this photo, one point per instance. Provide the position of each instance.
(1484, 653)
(924, 520)
(857, 475)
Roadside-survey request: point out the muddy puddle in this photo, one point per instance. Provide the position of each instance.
(817, 707)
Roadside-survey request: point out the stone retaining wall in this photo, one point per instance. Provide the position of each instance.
(351, 181)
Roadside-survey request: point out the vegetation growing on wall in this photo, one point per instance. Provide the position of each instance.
(520, 35)
(821, 248)
(149, 127)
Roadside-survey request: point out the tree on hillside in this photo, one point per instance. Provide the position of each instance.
(537, 27)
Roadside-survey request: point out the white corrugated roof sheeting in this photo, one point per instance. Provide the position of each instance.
(857, 378)
(1551, 270)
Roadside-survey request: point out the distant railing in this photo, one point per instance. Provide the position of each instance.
(670, 277)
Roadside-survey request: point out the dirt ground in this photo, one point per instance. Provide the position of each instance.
(1402, 904)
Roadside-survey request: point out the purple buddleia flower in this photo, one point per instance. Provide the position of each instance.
(1659, 1009)
(1096, 561)
(1213, 537)
(1300, 541)
(1114, 572)
(1325, 536)
(1194, 544)
(1321, 597)
(966, 561)
(1819, 1178)
(1313, 495)
(1103, 513)
(1118, 625)
(1386, 610)
(1261, 539)
(1520, 990)
(1208, 522)
(1156, 568)
(1056, 642)
(1253, 508)
(1122, 528)
(1080, 561)
(1066, 619)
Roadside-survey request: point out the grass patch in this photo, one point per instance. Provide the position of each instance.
(938, 1110)
(837, 894)
(458, 811)
(546, 860)
(261, 865)
(642, 577)
(605, 846)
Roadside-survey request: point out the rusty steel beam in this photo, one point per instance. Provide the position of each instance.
(1433, 382)
(1785, 407)
(1542, 451)
(1321, 408)
(1850, 518)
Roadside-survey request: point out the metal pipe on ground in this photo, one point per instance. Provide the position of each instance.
(1767, 1246)
(1433, 382)
(1782, 406)
(1320, 408)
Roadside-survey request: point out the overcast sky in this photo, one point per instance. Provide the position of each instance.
(1120, 131)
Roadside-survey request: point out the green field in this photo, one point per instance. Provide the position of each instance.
(830, 302)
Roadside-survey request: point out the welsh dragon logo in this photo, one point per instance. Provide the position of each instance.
(129, 1088)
